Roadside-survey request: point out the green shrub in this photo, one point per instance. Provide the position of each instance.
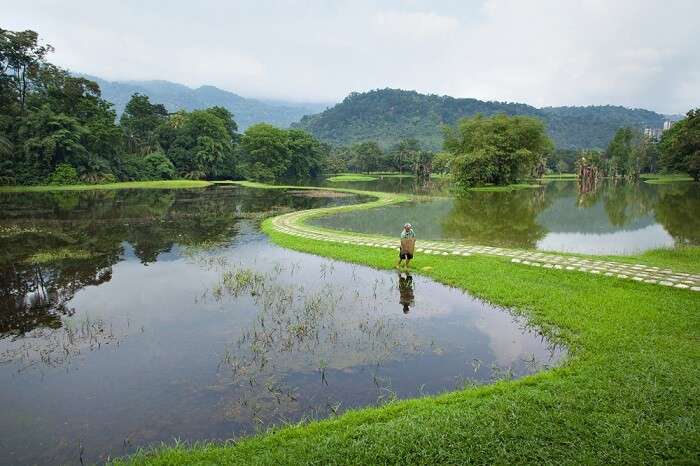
(63, 174)
(154, 166)
(159, 167)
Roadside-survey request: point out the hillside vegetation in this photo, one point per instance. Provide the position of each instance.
(390, 115)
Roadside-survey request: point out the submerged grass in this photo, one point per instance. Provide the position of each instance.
(46, 257)
(628, 394)
(164, 184)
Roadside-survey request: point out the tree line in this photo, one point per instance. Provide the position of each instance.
(632, 153)
(55, 128)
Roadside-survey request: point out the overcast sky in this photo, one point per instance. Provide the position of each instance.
(637, 53)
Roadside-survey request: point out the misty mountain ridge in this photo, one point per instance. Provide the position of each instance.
(174, 97)
(386, 115)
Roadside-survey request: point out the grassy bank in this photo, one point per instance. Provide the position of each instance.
(560, 176)
(628, 393)
(163, 184)
(351, 177)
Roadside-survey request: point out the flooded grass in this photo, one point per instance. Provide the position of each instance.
(46, 257)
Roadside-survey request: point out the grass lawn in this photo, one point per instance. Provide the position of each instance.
(163, 184)
(665, 179)
(560, 176)
(352, 177)
(628, 394)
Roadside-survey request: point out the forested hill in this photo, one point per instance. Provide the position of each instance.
(179, 97)
(389, 115)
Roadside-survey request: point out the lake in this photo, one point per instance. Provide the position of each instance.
(615, 219)
(173, 316)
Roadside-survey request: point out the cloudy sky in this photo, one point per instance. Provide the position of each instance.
(637, 53)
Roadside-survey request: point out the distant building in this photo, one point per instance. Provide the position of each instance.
(653, 133)
(667, 125)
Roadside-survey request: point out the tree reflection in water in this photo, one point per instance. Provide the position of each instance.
(508, 218)
(94, 227)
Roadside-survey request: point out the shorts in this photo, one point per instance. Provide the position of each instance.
(405, 255)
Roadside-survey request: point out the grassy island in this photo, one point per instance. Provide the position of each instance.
(628, 392)
(352, 177)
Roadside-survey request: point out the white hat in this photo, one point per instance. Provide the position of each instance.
(408, 225)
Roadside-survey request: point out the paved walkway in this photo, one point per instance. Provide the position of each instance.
(294, 223)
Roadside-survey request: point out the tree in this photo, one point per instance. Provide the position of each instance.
(200, 141)
(266, 154)
(495, 150)
(619, 154)
(50, 139)
(21, 59)
(680, 146)
(404, 154)
(269, 153)
(442, 162)
(139, 122)
(306, 155)
(562, 166)
(367, 155)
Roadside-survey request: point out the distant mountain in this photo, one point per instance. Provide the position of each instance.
(389, 115)
(179, 97)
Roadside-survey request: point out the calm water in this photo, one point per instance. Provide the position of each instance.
(180, 320)
(616, 219)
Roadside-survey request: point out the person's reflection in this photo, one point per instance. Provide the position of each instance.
(406, 291)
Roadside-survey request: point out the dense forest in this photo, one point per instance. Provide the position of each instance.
(176, 97)
(390, 115)
(56, 128)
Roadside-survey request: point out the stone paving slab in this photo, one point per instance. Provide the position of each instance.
(294, 224)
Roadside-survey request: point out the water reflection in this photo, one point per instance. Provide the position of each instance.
(406, 297)
(172, 316)
(616, 218)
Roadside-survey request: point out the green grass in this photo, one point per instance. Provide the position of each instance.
(628, 394)
(509, 187)
(164, 184)
(681, 259)
(352, 177)
(653, 178)
(560, 176)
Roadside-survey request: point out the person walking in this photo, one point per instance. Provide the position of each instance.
(408, 245)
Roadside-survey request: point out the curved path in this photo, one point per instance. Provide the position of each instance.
(294, 223)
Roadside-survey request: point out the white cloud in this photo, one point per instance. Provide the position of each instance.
(414, 25)
(639, 53)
